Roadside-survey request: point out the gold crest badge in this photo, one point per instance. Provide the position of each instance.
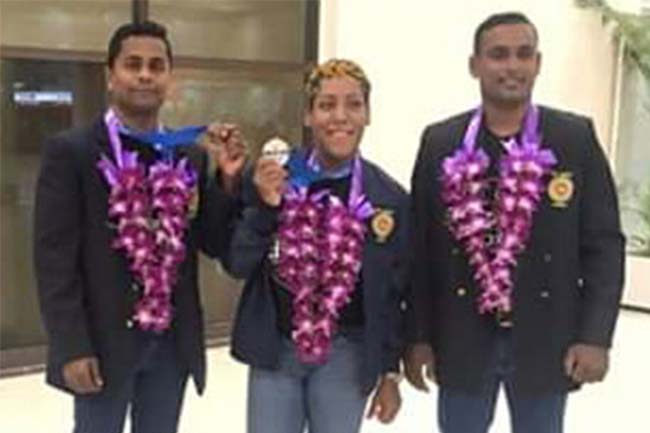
(561, 189)
(382, 224)
(193, 205)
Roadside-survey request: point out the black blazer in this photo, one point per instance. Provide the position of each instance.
(568, 282)
(85, 289)
(256, 337)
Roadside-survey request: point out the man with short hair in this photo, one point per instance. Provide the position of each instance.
(121, 212)
(519, 255)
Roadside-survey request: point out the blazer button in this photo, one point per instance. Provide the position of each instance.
(545, 294)
(547, 258)
(129, 323)
(461, 291)
(455, 251)
(134, 287)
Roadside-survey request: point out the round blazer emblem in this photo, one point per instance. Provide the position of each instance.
(561, 189)
(382, 224)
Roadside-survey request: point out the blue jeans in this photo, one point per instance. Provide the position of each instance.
(154, 393)
(459, 412)
(322, 398)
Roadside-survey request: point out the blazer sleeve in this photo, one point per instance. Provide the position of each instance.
(218, 212)
(57, 252)
(602, 248)
(253, 233)
(397, 304)
(420, 298)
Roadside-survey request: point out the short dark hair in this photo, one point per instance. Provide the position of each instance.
(499, 19)
(146, 28)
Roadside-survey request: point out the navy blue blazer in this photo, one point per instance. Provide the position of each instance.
(256, 338)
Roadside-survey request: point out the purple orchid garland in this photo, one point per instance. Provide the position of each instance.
(321, 246)
(150, 211)
(522, 173)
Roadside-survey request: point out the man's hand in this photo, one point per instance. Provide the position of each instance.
(82, 376)
(585, 363)
(419, 357)
(269, 179)
(386, 402)
(226, 146)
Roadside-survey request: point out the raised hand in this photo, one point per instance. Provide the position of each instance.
(269, 179)
(226, 146)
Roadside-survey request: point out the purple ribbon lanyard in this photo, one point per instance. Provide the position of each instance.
(469, 140)
(113, 126)
(530, 136)
(357, 201)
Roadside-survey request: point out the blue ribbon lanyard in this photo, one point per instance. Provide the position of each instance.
(166, 142)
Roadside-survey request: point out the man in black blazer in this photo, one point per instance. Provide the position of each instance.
(547, 317)
(100, 347)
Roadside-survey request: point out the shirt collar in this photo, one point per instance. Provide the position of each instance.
(342, 170)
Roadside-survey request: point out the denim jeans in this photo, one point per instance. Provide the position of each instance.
(323, 398)
(153, 393)
(459, 412)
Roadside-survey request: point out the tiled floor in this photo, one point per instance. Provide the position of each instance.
(620, 405)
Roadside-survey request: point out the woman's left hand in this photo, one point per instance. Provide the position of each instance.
(386, 401)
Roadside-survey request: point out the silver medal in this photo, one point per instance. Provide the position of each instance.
(276, 149)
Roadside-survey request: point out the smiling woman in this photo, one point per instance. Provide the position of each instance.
(318, 321)
(337, 117)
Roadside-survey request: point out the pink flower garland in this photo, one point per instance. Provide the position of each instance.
(150, 211)
(522, 173)
(321, 246)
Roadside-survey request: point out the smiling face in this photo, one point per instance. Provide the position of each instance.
(507, 63)
(139, 78)
(337, 117)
